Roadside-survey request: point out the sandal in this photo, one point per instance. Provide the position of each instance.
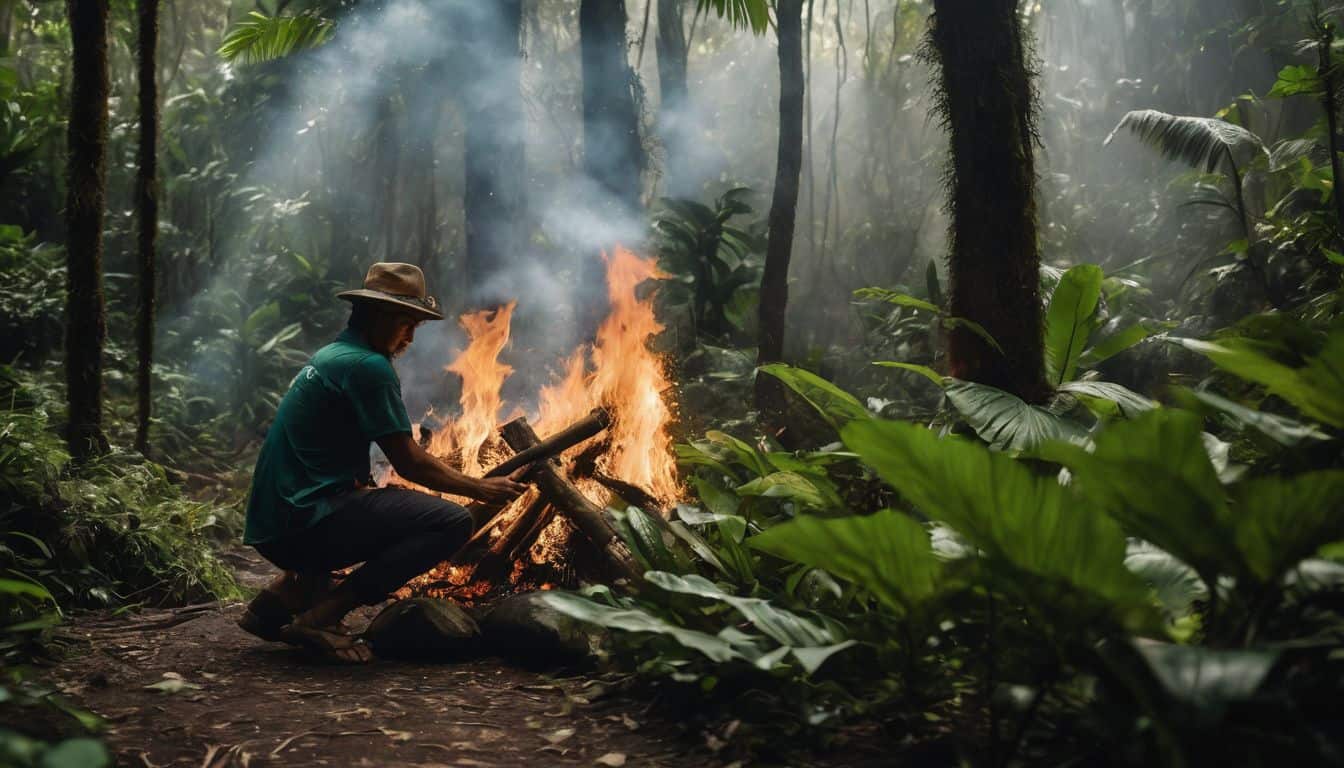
(328, 644)
(265, 616)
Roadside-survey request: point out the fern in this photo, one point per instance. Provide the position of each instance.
(1200, 142)
(261, 38)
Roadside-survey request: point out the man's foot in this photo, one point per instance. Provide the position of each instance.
(265, 616)
(288, 594)
(328, 643)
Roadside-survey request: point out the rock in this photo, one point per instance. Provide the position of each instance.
(524, 629)
(424, 628)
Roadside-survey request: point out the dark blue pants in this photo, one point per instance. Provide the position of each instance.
(398, 534)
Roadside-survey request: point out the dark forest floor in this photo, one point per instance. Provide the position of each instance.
(187, 687)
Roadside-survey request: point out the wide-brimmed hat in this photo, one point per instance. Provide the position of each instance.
(401, 285)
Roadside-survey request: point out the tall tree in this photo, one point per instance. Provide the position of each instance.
(86, 315)
(147, 210)
(987, 103)
(493, 197)
(613, 156)
(770, 400)
(673, 95)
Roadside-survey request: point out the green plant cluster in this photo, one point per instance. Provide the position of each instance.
(113, 533)
(1145, 592)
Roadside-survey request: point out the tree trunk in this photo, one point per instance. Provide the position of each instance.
(86, 317)
(147, 205)
(613, 156)
(493, 197)
(783, 210)
(674, 99)
(987, 103)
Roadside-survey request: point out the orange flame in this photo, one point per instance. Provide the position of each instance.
(482, 377)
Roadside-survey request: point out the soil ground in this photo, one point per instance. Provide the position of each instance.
(187, 687)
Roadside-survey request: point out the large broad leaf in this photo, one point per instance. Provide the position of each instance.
(740, 13)
(1121, 340)
(1317, 389)
(887, 554)
(1283, 520)
(633, 620)
(1175, 585)
(1030, 528)
(807, 641)
(1070, 320)
(1204, 679)
(786, 627)
(807, 492)
(1114, 397)
(834, 404)
(1007, 422)
(1200, 142)
(1281, 429)
(1153, 475)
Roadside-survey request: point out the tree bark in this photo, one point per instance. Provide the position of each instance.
(674, 98)
(86, 316)
(613, 156)
(147, 205)
(770, 400)
(987, 103)
(493, 197)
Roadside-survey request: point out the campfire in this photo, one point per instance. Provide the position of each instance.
(598, 436)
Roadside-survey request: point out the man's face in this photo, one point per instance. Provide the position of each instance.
(394, 333)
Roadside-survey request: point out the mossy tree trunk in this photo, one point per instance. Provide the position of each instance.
(147, 212)
(987, 103)
(493, 197)
(86, 315)
(770, 398)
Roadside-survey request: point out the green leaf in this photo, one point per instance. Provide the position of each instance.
(1153, 475)
(1281, 429)
(785, 627)
(1175, 585)
(811, 493)
(261, 38)
(1205, 679)
(1031, 529)
(76, 753)
(1070, 320)
(897, 298)
(740, 13)
(1120, 341)
(634, 620)
(950, 322)
(887, 554)
(699, 546)
(1296, 80)
(835, 405)
(1317, 389)
(922, 370)
(1200, 142)
(1129, 402)
(1007, 422)
(17, 587)
(1281, 521)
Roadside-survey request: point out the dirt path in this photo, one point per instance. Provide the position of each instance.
(190, 688)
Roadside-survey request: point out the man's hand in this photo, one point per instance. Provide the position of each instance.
(500, 490)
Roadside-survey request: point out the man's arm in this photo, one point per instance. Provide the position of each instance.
(417, 465)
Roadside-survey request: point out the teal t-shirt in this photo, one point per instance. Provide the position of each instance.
(346, 397)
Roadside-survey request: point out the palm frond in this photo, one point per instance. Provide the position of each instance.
(261, 38)
(1200, 142)
(740, 13)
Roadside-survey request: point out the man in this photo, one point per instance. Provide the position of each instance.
(313, 508)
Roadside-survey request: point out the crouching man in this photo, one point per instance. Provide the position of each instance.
(312, 507)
